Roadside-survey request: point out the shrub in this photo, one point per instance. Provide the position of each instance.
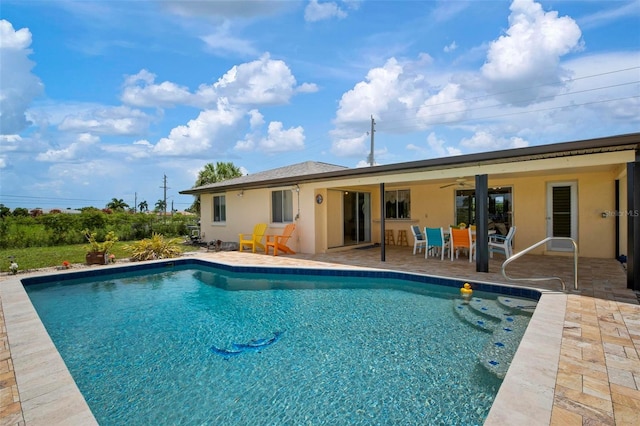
(156, 247)
(95, 246)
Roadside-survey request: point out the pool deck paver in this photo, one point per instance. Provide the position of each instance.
(578, 363)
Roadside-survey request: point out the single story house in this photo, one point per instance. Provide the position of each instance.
(588, 190)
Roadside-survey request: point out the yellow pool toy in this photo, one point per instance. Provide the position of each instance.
(466, 291)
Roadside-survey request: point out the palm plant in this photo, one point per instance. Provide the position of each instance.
(211, 174)
(117, 204)
(161, 205)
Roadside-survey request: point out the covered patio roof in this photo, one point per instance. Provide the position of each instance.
(494, 162)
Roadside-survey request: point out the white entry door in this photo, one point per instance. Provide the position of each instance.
(562, 214)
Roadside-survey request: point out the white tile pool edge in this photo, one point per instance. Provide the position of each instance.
(527, 392)
(49, 395)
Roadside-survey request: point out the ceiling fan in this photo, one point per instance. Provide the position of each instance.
(460, 183)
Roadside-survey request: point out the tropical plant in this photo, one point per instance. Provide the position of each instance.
(156, 247)
(13, 268)
(117, 204)
(143, 206)
(211, 174)
(20, 211)
(97, 247)
(161, 205)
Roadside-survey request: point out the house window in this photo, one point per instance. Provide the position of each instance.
(282, 206)
(219, 208)
(397, 204)
(500, 208)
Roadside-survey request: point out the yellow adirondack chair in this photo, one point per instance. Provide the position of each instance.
(279, 242)
(254, 239)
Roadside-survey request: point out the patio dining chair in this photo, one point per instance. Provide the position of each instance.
(502, 243)
(419, 241)
(436, 243)
(461, 239)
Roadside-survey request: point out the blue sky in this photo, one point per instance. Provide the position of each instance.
(101, 99)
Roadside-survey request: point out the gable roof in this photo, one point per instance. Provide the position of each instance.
(314, 171)
(271, 177)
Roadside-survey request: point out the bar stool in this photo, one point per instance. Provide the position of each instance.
(388, 237)
(402, 238)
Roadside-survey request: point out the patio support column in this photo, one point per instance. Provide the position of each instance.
(382, 217)
(482, 223)
(617, 216)
(633, 225)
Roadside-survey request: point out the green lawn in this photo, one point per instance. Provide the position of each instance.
(44, 257)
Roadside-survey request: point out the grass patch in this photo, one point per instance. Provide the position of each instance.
(45, 257)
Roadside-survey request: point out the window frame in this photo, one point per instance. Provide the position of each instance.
(222, 207)
(497, 212)
(395, 211)
(284, 214)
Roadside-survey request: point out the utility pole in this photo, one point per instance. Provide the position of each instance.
(373, 123)
(135, 202)
(164, 186)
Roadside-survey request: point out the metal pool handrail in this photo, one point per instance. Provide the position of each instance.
(528, 249)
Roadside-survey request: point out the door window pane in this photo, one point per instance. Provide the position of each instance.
(561, 211)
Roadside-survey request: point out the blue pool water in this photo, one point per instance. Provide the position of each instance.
(203, 346)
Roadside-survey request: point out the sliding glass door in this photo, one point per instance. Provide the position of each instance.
(357, 217)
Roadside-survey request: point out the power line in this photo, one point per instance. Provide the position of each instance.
(528, 88)
(46, 198)
(528, 111)
(503, 104)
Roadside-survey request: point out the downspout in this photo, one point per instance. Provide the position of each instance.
(616, 217)
(633, 224)
(382, 220)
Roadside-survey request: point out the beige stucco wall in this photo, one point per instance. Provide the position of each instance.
(243, 212)
(434, 206)
(431, 206)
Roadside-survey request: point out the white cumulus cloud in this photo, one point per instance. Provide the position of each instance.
(74, 151)
(140, 90)
(19, 86)
(316, 11)
(222, 42)
(264, 81)
(486, 141)
(120, 120)
(261, 82)
(282, 140)
(208, 134)
(440, 148)
(528, 55)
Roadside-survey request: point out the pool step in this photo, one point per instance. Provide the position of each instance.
(498, 353)
(474, 318)
(488, 308)
(517, 304)
(506, 319)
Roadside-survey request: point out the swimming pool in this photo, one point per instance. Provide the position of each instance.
(196, 344)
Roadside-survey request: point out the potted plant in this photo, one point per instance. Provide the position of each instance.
(97, 252)
(13, 268)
